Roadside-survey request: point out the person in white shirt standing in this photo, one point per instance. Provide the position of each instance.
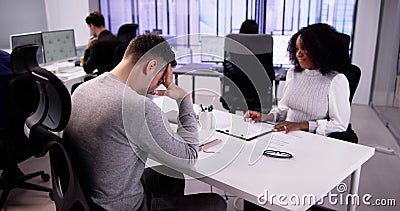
(316, 92)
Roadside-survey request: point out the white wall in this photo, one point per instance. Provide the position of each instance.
(20, 16)
(384, 81)
(365, 37)
(62, 14)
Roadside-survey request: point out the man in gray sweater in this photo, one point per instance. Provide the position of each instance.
(114, 127)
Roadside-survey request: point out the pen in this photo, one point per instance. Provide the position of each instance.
(201, 107)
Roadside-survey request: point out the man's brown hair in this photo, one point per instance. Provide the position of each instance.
(152, 46)
(95, 18)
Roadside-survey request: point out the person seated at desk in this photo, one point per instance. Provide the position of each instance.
(114, 127)
(99, 53)
(316, 92)
(249, 27)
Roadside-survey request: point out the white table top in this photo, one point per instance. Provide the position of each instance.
(66, 70)
(319, 163)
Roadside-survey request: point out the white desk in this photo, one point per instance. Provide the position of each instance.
(71, 78)
(319, 164)
(67, 73)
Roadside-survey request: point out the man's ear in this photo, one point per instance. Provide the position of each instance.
(150, 67)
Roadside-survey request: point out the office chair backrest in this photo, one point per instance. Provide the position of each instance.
(352, 72)
(52, 115)
(23, 96)
(353, 76)
(55, 102)
(54, 106)
(256, 43)
(125, 34)
(346, 40)
(248, 69)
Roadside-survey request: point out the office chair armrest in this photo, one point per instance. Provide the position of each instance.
(348, 135)
(41, 137)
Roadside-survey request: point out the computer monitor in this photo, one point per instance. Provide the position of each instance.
(212, 49)
(280, 54)
(59, 45)
(29, 38)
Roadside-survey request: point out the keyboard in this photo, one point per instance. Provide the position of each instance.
(69, 69)
(62, 67)
(70, 72)
(199, 67)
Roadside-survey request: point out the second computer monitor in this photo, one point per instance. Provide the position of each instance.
(29, 38)
(59, 45)
(280, 54)
(212, 49)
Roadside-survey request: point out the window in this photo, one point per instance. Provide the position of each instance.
(221, 17)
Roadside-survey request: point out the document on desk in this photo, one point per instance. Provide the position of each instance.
(273, 141)
(74, 72)
(284, 141)
(247, 130)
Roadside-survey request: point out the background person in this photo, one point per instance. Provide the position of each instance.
(249, 27)
(316, 93)
(99, 53)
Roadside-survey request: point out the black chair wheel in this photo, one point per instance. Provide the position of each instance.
(45, 177)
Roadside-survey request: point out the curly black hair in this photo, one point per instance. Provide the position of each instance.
(325, 46)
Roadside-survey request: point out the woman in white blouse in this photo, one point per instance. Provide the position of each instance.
(316, 92)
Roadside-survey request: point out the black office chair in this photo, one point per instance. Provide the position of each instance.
(22, 100)
(248, 72)
(51, 116)
(125, 34)
(353, 75)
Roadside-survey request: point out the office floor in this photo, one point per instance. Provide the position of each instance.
(379, 176)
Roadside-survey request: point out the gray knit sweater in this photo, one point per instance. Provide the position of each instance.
(111, 132)
(320, 100)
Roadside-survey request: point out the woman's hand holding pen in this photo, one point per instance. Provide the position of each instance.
(254, 115)
(257, 116)
(281, 126)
